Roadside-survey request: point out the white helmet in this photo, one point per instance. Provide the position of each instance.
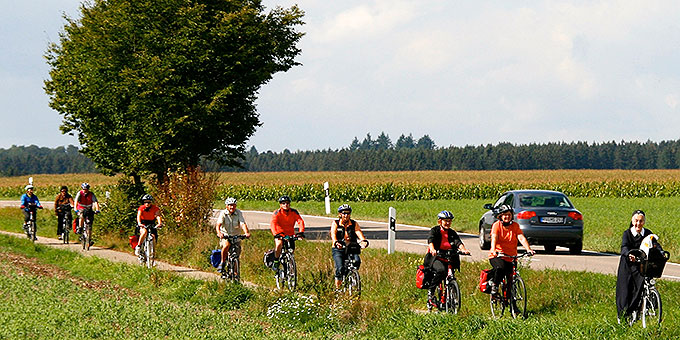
(28, 187)
(230, 200)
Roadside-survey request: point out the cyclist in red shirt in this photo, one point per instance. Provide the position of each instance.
(147, 214)
(283, 224)
(86, 202)
(504, 236)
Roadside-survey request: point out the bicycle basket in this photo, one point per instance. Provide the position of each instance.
(353, 248)
(215, 257)
(655, 263)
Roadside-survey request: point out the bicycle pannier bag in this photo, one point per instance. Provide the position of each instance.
(424, 277)
(655, 263)
(134, 240)
(215, 257)
(484, 278)
(268, 258)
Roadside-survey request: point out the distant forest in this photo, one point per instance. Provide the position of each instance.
(381, 154)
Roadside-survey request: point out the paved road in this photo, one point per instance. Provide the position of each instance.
(414, 239)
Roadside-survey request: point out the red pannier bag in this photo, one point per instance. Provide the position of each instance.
(134, 240)
(484, 278)
(422, 277)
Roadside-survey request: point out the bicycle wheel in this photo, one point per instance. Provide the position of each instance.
(235, 270)
(65, 232)
(150, 245)
(291, 279)
(651, 308)
(353, 283)
(86, 236)
(452, 297)
(519, 297)
(34, 230)
(281, 272)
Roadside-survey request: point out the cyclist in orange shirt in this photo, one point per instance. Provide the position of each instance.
(504, 236)
(283, 224)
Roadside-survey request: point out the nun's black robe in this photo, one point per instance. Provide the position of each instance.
(629, 280)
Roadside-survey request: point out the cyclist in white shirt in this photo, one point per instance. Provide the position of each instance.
(227, 225)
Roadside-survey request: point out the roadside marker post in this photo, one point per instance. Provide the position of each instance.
(327, 199)
(392, 230)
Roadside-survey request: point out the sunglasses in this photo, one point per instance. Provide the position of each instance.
(346, 213)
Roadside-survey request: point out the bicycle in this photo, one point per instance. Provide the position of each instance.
(447, 293)
(286, 275)
(517, 301)
(31, 227)
(232, 267)
(147, 249)
(351, 280)
(66, 222)
(86, 232)
(650, 299)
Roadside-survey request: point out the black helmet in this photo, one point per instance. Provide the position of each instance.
(503, 209)
(344, 207)
(147, 197)
(445, 215)
(284, 198)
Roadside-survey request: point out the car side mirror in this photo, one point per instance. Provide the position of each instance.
(488, 206)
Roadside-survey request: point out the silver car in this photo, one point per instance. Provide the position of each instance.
(547, 218)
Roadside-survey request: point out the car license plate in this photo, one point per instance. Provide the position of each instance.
(552, 220)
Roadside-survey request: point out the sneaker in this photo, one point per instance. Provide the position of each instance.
(137, 251)
(275, 265)
(60, 238)
(220, 267)
(431, 300)
(494, 288)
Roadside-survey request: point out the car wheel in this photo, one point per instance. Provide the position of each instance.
(576, 249)
(483, 244)
(549, 248)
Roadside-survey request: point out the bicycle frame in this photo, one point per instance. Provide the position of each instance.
(287, 273)
(447, 293)
(32, 225)
(87, 227)
(232, 270)
(147, 250)
(66, 222)
(351, 280)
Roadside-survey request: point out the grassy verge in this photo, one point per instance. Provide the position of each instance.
(57, 288)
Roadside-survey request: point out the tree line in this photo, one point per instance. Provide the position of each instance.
(383, 155)
(408, 154)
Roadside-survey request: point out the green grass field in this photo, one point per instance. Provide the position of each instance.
(56, 293)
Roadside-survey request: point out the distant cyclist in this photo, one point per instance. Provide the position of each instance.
(345, 235)
(228, 224)
(28, 200)
(86, 203)
(442, 237)
(148, 214)
(62, 199)
(504, 236)
(283, 224)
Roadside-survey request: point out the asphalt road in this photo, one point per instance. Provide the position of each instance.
(414, 239)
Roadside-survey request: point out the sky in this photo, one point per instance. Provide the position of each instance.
(462, 72)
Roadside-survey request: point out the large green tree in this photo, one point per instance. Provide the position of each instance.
(149, 85)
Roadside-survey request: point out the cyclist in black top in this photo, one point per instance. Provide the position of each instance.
(346, 233)
(442, 237)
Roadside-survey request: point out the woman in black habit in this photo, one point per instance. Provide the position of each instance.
(629, 280)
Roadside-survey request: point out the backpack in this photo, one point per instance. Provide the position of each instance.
(268, 258)
(215, 257)
(424, 277)
(484, 278)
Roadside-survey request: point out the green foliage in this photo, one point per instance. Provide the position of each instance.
(151, 85)
(21, 160)
(120, 214)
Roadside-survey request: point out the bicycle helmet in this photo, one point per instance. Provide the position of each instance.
(85, 185)
(503, 209)
(445, 215)
(284, 198)
(230, 200)
(147, 197)
(344, 207)
(28, 187)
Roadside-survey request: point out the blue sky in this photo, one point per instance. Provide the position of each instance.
(463, 72)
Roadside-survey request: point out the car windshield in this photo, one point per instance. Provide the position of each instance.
(543, 201)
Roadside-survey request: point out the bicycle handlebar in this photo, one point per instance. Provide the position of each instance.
(234, 237)
(515, 256)
(288, 237)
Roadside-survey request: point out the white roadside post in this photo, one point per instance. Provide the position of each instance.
(327, 199)
(391, 232)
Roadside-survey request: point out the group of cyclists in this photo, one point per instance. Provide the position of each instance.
(346, 233)
(85, 203)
